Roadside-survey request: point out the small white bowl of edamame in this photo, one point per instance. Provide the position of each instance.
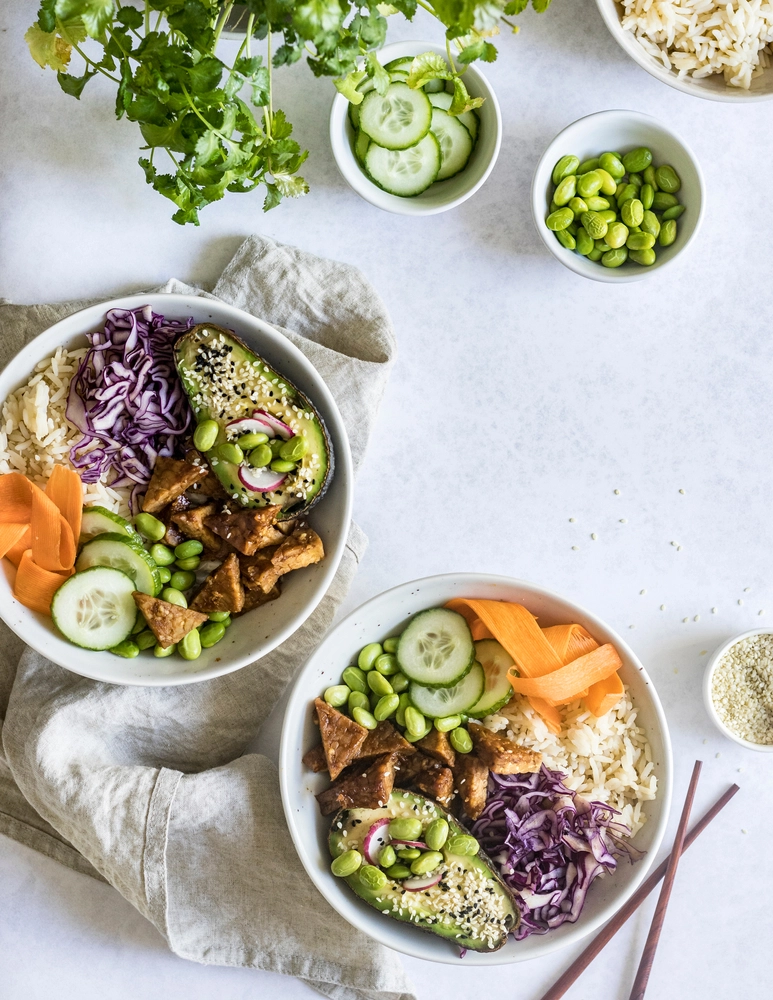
(647, 236)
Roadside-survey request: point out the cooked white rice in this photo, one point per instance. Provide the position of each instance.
(35, 434)
(700, 37)
(607, 759)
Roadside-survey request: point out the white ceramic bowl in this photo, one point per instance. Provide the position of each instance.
(441, 196)
(714, 659)
(386, 615)
(260, 631)
(711, 88)
(621, 131)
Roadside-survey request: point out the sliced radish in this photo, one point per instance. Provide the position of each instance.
(260, 480)
(280, 429)
(421, 883)
(376, 840)
(251, 425)
(410, 843)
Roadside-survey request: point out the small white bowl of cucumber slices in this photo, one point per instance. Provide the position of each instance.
(402, 151)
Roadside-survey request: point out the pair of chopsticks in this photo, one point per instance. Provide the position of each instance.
(668, 869)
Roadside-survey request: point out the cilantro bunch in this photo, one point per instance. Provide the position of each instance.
(212, 125)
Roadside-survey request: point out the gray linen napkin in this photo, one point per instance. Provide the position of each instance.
(150, 788)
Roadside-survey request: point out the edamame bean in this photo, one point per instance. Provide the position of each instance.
(162, 652)
(650, 224)
(145, 639)
(587, 165)
(405, 828)
(346, 864)
(128, 649)
(608, 216)
(182, 580)
(373, 700)
(565, 191)
(565, 166)
(663, 201)
(205, 435)
(640, 241)
(400, 713)
(415, 737)
(276, 446)
(646, 194)
(668, 179)
(644, 257)
(427, 863)
(386, 664)
(409, 853)
(602, 245)
(280, 465)
(294, 449)
(572, 230)
(463, 844)
(249, 441)
(553, 207)
(189, 647)
(596, 204)
(667, 233)
(399, 682)
(227, 621)
(173, 596)
(259, 457)
(608, 182)
(594, 225)
(559, 219)
(387, 857)
(637, 160)
(150, 527)
(415, 723)
(354, 678)
(357, 699)
(589, 183)
(185, 550)
(386, 706)
(436, 834)
(161, 555)
(595, 254)
(649, 177)
(636, 180)
(612, 165)
(139, 624)
(230, 452)
(219, 616)
(629, 191)
(617, 234)
(632, 212)
(461, 740)
(391, 644)
(336, 695)
(566, 239)
(583, 241)
(211, 633)
(673, 213)
(578, 206)
(447, 723)
(364, 718)
(372, 878)
(615, 258)
(399, 871)
(368, 655)
(164, 574)
(188, 565)
(379, 684)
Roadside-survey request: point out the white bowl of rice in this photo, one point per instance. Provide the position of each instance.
(720, 51)
(35, 436)
(622, 758)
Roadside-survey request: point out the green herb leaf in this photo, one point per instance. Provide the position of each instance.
(73, 85)
(170, 136)
(540, 5)
(207, 148)
(316, 18)
(462, 101)
(95, 14)
(285, 55)
(205, 74)
(428, 66)
(48, 49)
(289, 186)
(130, 17)
(516, 7)
(194, 22)
(347, 85)
(377, 73)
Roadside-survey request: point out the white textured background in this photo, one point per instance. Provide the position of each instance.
(524, 395)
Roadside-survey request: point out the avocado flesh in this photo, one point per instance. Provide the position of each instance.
(348, 831)
(213, 364)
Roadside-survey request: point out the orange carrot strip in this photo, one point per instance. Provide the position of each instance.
(604, 694)
(564, 684)
(479, 631)
(10, 536)
(53, 545)
(35, 587)
(570, 641)
(64, 489)
(15, 498)
(14, 554)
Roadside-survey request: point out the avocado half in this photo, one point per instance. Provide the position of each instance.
(225, 381)
(479, 916)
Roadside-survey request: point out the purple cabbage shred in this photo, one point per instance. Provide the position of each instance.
(549, 844)
(127, 399)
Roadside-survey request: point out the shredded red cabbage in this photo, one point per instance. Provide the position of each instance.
(549, 845)
(127, 399)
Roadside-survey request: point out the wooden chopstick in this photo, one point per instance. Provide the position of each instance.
(602, 939)
(651, 944)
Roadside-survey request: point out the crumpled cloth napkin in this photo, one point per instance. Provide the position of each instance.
(151, 789)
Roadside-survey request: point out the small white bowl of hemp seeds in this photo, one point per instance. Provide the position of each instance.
(738, 689)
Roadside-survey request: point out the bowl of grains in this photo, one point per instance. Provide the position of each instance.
(738, 689)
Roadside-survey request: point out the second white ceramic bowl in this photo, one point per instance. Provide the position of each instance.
(708, 701)
(443, 195)
(387, 615)
(621, 131)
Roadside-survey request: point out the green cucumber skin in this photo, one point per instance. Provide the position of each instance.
(55, 618)
(456, 709)
(416, 193)
(423, 682)
(130, 543)
(489, 706)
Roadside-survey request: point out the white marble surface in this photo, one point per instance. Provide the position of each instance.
(524, 396)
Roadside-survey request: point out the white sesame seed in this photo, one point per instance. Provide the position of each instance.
(571, 520)
(642, 592)
(740, 600)
(662, 607)
(697, 618)
(713, 611)
(681, 491)
(685, 619)
(594, 536)
(623, 520)
(617, 493)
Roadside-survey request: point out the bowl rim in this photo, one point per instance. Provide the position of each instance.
(361, 184)
(708, 701)
(76, 324)
(412, 945)
(573, 261)
(637, 52)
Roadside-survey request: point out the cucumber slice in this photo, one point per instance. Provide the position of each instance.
(121, 552)
(455, 143)
(95, 609)
(404, 172)
(399, 119)
(354, 109)
(398, 76)
(436, 649)
(434, 87)
(403, 63)
(361, 144)
(98, 520)
(438, 702)
(443, 100)
(496, 661)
